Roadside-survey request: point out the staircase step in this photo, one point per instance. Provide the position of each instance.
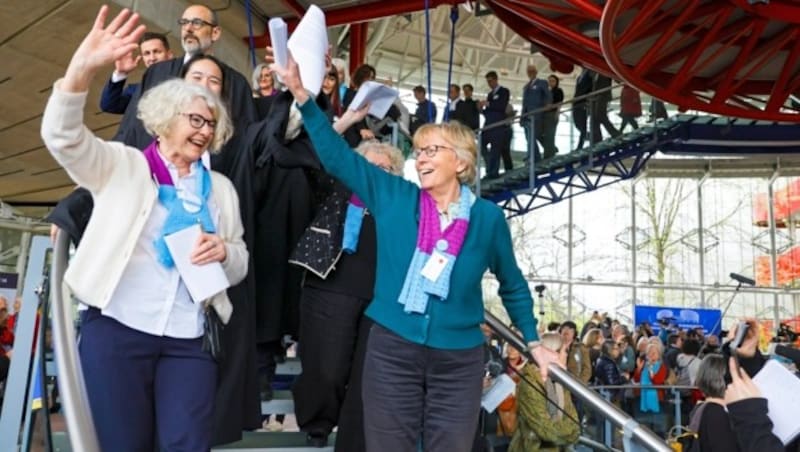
(275, 442)
(251, 442)
(281, 403)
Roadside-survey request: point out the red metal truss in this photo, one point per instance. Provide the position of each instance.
(707, 55)
(362, 13)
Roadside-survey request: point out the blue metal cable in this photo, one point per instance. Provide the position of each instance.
(453, 19)
(428, 51)
(250, 31)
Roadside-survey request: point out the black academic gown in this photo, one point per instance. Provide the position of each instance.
(275, 216)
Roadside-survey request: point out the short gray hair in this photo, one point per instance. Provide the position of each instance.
(551, 341)
(394, 154)
(461, 138)
(711, 375)
(160, 107)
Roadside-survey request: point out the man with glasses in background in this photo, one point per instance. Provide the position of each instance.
(200, 30)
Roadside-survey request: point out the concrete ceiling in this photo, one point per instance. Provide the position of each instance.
(37, 38)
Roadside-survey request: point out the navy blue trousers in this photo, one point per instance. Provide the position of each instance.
(417, 394)
(146, 392)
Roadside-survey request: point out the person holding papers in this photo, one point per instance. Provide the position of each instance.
(150, 383)
(747, 404)
(747, 411)
(423, 370)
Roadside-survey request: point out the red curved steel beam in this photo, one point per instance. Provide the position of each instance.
(732, 86)
(551, 26)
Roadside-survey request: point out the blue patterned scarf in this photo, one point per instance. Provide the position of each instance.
(352, 224)
(433, 243)
(178, 216)
(648, 399)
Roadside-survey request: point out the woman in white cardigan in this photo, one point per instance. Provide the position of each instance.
(150, 383)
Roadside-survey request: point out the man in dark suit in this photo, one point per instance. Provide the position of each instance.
(456, 108)
(426, 110)
(495, 142)
(472, 114)
(580, 109)
(600, 110)
(535, 96)
(199, 31)
(153, 48)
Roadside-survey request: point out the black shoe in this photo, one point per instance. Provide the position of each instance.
(317, 439)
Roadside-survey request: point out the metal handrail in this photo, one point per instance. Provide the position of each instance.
(592, 399)
(72, 389)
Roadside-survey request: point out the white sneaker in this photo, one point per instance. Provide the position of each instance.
(272, 425)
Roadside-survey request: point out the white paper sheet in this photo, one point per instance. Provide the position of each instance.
(309, 45)
(379, 96)
(782, 391)
(502, 387)
(278, 36)
(202, 281)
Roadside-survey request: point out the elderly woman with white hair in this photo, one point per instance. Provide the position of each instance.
(424, 365)
(150, 382)
(547, 419)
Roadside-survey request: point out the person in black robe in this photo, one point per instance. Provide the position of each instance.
(277, 205)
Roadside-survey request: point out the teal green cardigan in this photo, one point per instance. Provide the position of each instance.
(452, 323)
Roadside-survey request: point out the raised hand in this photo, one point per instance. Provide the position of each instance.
(127, 63)
(741, 387)
(103, 45)
(290, 76)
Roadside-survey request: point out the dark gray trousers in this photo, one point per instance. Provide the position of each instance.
(414, 394)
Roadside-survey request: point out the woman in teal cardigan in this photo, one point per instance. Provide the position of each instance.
(424, 365)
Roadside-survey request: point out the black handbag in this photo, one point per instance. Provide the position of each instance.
(212, 335)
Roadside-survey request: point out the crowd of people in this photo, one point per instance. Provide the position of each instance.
(298, 222)
(645, 374)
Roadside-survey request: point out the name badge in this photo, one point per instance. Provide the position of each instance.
(433, 268)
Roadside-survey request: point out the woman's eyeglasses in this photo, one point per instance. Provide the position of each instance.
(197, 121)
(431, 150)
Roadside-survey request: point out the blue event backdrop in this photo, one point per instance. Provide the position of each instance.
(685, 318)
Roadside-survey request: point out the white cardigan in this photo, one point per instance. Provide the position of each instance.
(124, 193)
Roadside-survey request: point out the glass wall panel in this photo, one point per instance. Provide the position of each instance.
(735, 214)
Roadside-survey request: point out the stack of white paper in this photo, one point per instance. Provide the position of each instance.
(309, 45)
(379, 96)
(782, 391)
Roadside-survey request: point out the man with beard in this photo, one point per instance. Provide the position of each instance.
(199, 31)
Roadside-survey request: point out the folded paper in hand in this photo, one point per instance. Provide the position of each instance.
(278, 36)
(502, 387)
(379, 96)
(202, 281)
(309, 45)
